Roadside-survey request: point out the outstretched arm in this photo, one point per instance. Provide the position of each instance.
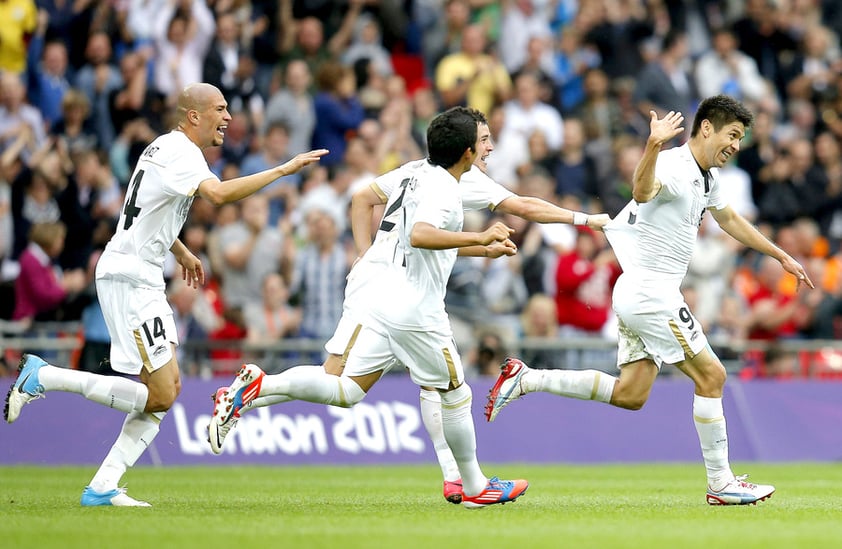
(541, 211)
(426, 236)
(222, 192)
(738, 227)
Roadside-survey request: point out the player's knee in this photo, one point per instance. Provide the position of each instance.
(711, 381)
(629, 401)
(161, 399)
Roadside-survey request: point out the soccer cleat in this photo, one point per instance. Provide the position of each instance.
(453, 491)
(507, 388)
(227, 405)
(740, 492)
(497, 491)
(218, 431)
(116, 498)
(26, 388)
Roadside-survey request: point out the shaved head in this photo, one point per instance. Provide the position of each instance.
(196, 97)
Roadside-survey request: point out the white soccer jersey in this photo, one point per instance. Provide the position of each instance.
(157, 202)
(478, 192)
(411, 292)
(655, 240)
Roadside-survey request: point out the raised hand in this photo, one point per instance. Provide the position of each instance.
(662, 130)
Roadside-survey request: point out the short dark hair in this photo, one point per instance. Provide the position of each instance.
(451, 133)
(720, 110)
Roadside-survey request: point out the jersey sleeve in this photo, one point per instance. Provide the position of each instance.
(186, 172)
(479, 191)
(668, 175)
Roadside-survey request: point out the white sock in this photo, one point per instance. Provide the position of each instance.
(581, 384)
(710, 425)
(113, 391)
(138, 432)
(459, 431)
(313, 384)
(431, 416)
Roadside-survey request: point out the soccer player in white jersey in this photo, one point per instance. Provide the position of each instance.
(653, 238)
(478, 191)
(405, 317)
(130, 286)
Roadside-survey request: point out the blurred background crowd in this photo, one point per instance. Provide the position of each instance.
(567, 86)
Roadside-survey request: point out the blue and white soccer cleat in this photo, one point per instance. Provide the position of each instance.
(26, 388)
(228, 403)
(116, 498)
(497, 491)
(740, 492)
(507, 387)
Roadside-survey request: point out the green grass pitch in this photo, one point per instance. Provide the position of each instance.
(616, 506)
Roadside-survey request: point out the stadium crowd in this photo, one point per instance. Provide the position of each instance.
(567, 86)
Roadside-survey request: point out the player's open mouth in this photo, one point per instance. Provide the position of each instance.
(725, 155)
(221, 130)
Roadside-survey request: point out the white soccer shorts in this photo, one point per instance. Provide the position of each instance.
(141, 325)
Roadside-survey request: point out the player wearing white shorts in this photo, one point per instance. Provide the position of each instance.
(653, 238)
(171, 171)
(478, 192)
(406, 317)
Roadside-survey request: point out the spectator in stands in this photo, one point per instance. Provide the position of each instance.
(48, 78)
(726, 69)
(304, 39)
(238, 139)
(17, 117)
(772, 314)
(135, 100)
(396, 145)
(97, 79)
(809, 74)
(828, 150)
(367, 44)
(319, 271)
(539, 61)
(666, 84)
(40, 289)
(538, 322)
(274, 150)
(520, 20)
(338, 111)
(251, 249)
(292, 105)
(599, 110)
(575, 172)
(585, 278)
(763, 37)
(526, 113)
(229, 66)
(75, 127)
(424, 108)
(273, 318)
(470, 77)
(614, 190)
(618, 31)
(183, 31)
(484, 360)
(32, 194)
(441, 35)
(20, 18)
(572, 60)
